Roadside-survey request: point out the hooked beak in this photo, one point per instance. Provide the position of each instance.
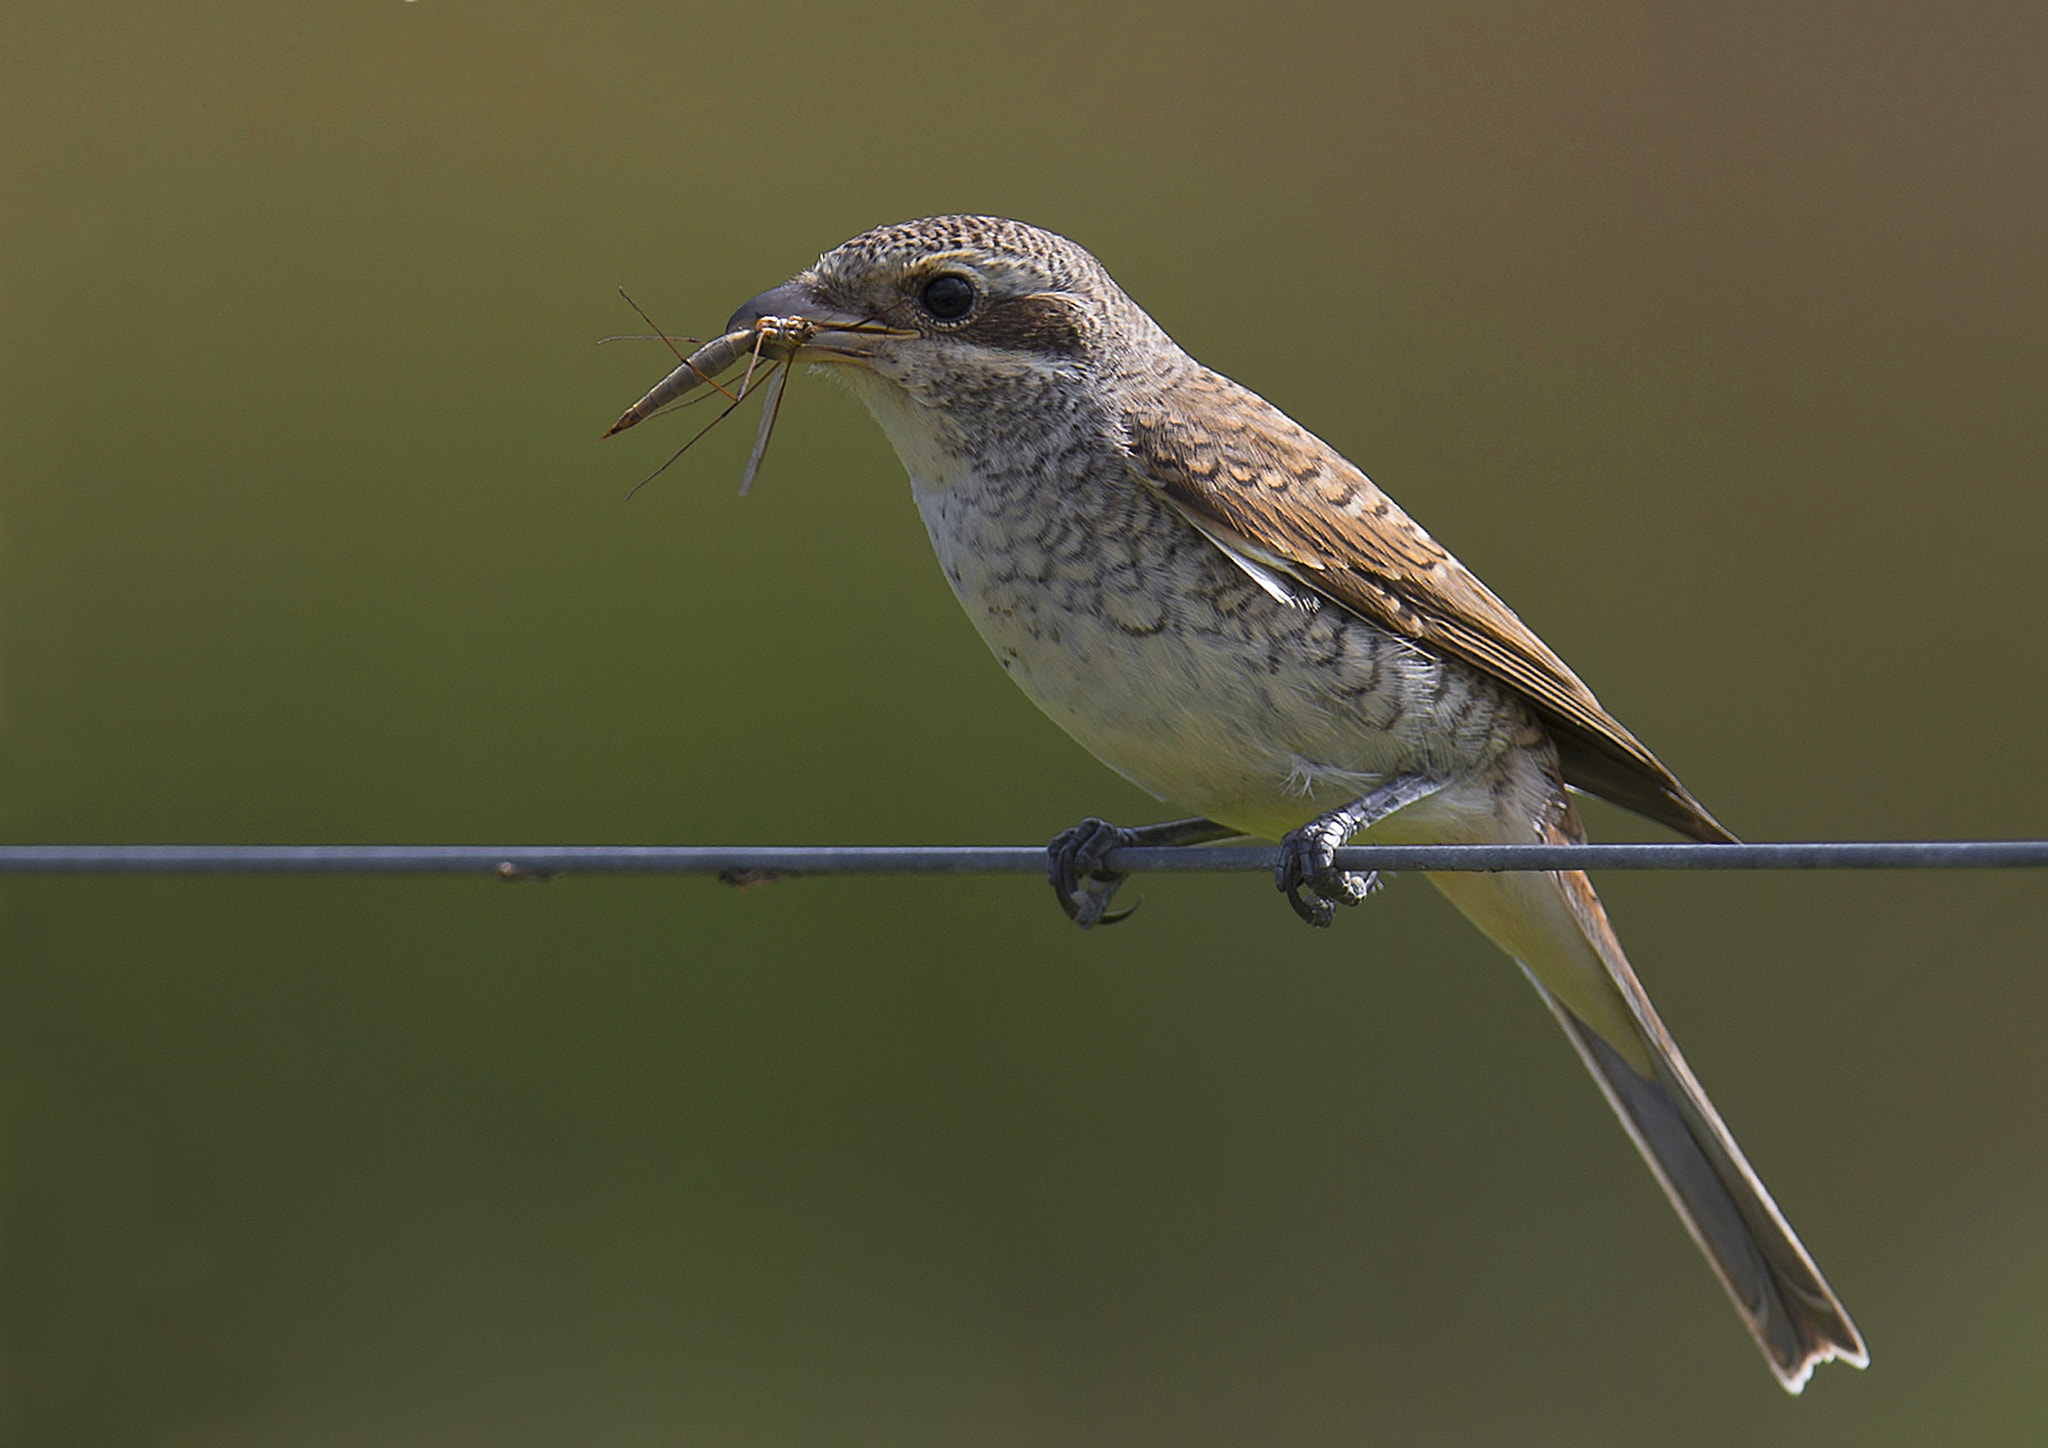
(791, 299)
(828, 333)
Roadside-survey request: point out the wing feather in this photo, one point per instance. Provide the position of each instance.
(1265, 489)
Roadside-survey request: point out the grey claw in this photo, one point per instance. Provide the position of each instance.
(1073, 866)
(1117, 917)
(1308, 876)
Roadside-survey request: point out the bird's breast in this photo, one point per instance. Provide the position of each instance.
(1167, 661)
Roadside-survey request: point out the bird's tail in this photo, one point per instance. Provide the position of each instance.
(1554, 926)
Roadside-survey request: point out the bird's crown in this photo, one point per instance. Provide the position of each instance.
(990, 281)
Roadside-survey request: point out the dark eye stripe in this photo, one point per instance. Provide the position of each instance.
(1048, 325)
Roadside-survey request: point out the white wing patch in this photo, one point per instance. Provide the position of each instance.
(1269, 572)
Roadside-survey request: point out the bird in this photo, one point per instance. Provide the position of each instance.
(1228, 613)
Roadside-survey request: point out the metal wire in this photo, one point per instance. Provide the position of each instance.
(743, 863)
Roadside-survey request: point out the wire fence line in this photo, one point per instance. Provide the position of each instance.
(740, 864)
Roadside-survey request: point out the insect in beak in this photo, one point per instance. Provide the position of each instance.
(756, 337)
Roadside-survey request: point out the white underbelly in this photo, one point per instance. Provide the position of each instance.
(1174, 669)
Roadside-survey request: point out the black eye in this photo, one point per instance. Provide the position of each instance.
(947, 297)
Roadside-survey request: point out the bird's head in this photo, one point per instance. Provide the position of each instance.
(960, 295)
(946, 328)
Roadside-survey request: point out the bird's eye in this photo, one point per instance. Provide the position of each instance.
(947, 297)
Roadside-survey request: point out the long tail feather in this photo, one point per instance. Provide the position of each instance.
(1555, 928)
(1787, 1305)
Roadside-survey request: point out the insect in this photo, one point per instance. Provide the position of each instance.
(778, 340)
(775, 337)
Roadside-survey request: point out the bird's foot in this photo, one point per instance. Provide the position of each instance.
(1307, 872)
(1082, 881)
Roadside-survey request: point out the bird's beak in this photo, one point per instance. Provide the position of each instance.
(791, 299)
(784, 324)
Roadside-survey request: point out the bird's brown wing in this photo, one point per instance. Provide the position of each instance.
(1273, 493)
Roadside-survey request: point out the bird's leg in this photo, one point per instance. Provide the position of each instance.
(1308, 855)
(1074, 861)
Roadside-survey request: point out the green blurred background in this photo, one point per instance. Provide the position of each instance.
(1712, 338)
